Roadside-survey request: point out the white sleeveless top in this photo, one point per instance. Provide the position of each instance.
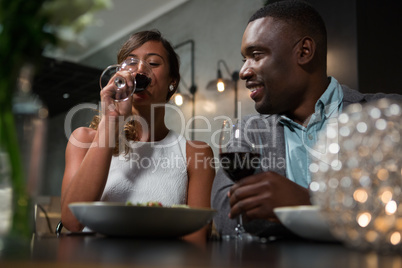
(151, 171)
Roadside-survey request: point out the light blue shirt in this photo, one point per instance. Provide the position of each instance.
(300, 140)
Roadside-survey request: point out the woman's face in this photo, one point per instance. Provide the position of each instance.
(156, 56)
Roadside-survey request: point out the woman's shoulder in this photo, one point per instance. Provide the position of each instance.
(192, 146)
(83, 134)
(195, 146)
(200, 158)
(196, 143)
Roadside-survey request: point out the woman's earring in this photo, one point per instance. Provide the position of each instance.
(171, 87)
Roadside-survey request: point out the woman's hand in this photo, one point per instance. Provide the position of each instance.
(110, 93)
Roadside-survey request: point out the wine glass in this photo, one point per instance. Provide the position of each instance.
(142, 77)
(239, 154)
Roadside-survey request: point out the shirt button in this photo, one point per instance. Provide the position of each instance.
(310, 136)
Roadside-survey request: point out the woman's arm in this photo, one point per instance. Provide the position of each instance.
(86, 170)
(89, 153)
(201, 173)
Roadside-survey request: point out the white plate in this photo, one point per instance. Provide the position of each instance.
(305, 221)
(118, 219)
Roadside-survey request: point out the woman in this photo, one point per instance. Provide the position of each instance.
(157, 164)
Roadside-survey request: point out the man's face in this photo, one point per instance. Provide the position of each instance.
(270, 66)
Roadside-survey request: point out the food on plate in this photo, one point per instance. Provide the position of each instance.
(146, 204)
(155, 204)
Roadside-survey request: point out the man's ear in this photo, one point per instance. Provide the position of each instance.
(306, 50)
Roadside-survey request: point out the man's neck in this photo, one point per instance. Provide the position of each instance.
(303, 112)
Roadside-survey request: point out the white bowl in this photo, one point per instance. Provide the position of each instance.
(118, 219)
(305, 221)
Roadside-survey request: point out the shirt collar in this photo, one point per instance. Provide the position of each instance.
(326, 106)
(329, 101)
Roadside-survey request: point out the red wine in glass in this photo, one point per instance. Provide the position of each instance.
(142, 77)
(239, 158)
(238, 165)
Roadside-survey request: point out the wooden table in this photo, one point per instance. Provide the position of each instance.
(99, 251)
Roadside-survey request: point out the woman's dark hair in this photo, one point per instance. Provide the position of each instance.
(138, 39)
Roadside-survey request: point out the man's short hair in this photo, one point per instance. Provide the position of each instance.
(300, 15)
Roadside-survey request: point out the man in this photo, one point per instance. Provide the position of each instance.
(284, 48)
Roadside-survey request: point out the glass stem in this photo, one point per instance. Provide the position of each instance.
(239, 228)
